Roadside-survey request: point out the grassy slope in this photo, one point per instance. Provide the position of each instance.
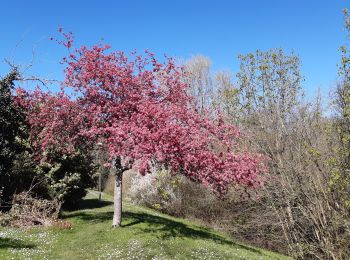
(145, 234)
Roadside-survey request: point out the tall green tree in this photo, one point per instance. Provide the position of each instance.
(12, 124)
(10, 121)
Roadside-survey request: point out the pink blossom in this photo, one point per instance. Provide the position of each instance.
(140, 109)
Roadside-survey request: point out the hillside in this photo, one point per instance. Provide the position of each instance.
(145, 234)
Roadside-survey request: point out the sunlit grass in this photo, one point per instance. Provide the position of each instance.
(145, 234)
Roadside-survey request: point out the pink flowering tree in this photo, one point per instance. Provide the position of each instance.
(139, 109)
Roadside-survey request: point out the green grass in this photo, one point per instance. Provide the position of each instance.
(145, 234)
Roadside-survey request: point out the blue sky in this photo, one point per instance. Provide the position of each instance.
(217, 29)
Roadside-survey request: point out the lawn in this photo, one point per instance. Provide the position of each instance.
(145, 234)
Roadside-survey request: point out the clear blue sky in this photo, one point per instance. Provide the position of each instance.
(217, 29)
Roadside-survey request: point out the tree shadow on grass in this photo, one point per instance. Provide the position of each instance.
(15, 243)
(91, 204)
(165, 228)
(162, 227)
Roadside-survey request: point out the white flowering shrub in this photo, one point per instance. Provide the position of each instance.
(159, 190)
(177, 196)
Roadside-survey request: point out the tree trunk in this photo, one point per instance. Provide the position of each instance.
(117, 216)
(119, 168)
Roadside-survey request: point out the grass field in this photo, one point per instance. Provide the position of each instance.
(145, 234)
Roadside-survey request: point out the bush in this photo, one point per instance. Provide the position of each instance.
(177, 196)
(68, 178)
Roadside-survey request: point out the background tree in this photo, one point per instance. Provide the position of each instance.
(226, 98)
(297, 203)
(292, 133)
(200, 82)
(211, 91)
(341, 160)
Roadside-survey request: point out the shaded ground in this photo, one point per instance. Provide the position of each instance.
(15, 243)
